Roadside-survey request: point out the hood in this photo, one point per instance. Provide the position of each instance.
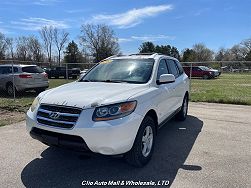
(89, 94)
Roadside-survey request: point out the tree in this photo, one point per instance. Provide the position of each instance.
(10, 46)
(35, 49)
(202, 53)
(60, 38)
(238, 52)
(72, 54)
(247, 44)
(147, 47)
(223, 55)
(248, 56)
(46, 34)
(188, 55)
(2, 46)
(22, 50)
(175, 53)
(99, 40)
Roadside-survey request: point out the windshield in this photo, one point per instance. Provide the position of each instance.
(121, 70)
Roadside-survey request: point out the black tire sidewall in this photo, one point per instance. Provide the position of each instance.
(139, 159)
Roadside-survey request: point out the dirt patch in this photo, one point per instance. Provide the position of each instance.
(9, 117)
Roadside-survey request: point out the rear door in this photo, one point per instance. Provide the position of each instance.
(176, 86)
(166, 97)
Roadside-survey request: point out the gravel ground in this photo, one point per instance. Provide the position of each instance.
(212, 148)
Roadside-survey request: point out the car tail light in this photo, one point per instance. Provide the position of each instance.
(25, 76)
(45, 75)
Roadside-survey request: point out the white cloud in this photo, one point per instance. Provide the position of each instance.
(72, 11)
(38, 23)
(132, 17)
(145, 38)
(46, 2)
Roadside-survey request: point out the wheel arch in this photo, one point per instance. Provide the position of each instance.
(152, 113)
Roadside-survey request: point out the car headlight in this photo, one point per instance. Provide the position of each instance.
(114, 111)
(34, 104)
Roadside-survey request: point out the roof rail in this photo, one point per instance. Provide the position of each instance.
(152, 54)
(118, 55)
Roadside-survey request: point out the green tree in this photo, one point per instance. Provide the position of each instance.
(72, 54)
(188, 55)
(175, 53)
(163, 49)
(147, 47)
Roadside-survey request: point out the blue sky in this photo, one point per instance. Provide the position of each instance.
(216, 23)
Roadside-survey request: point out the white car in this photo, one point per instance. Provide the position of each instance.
(116, 108)
(24, 77)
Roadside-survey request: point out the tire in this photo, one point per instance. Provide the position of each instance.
(10, 90)
(39, 90)
(141, 152)
(182, 114)
(205, 77)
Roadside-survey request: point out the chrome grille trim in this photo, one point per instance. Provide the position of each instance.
(64, 120)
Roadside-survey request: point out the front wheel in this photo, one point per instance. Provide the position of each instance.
(182, 114)
(11, 89)
(143, 146)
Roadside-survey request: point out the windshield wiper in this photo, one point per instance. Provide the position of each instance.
(89, 80)
(114, 81)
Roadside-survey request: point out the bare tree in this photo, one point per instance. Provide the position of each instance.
(60, 38)
(35, 49)
(10, 46)
(247, 43)
(238, 52)
(2, 46)
(202, 53)
(46, 33)
(100, 41)
(22, 49)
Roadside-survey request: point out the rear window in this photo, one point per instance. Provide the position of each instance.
(32, 69)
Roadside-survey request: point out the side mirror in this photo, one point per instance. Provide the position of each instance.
(166, 78)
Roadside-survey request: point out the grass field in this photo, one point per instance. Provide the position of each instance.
(228, 88)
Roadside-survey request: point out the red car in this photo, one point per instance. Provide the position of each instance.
(201, 72)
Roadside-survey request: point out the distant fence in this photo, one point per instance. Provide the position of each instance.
(232, 83)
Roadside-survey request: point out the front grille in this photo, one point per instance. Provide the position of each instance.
(58, 116)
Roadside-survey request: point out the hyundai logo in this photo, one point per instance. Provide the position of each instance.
(54, 115)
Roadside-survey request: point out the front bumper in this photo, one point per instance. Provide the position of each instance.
(105, 137)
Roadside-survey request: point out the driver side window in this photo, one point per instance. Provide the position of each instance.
(162, 69)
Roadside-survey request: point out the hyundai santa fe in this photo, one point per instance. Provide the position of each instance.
(116, 108)
(24, 77)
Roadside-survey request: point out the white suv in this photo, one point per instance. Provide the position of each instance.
(116, 108)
